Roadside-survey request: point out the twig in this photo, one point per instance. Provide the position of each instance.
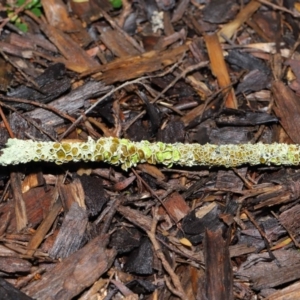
(178, 77)
(181, 75)
(177, 288)
(29, 121)
(277, 7)
(6, 123)
(26, 77)
(263, 235)
(42, 105)
(154, 194)
(135, 81)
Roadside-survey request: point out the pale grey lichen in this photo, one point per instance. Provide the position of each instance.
(126, 153)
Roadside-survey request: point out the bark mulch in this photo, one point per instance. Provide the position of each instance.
(173, 71)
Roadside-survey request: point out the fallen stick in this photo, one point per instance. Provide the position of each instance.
(126, 153)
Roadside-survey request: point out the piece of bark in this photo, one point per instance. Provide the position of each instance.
(253, 82)
(145, 286)
(115, 42)
(69, 103)
(198, 220)
(252, 235)
(136, 66)
(172, 133)
(230, 135)
(22, 129)
(195, 187)
(230, 180)
(176, 206)
(122, 185)
(70, 193)
(168, 26)
(266, 23)
(9, 292)
(140, 261)
(71, 233)
(295, 66)
(241, 249)
(200, 114)
(290, 220)
(267, 274)
(82, 10)
(152, 111)
(31, 41)
(74, 274)
(287, 109)
(243, 61)
(219, 11)
(15, 50)
(277, 195)
(52, 83)
(76, 59)
(32, 180)
(57, 15)
(229, 29)
(244, 118)
(14, 265)
(44, 227)
(20, 208)
(138, 131)
(290, 292)
(219, 69)
(125, 240)
(94, 194)
(179, 11)
(219, 277)
(6, 75)
(37, 203)
(135, 217)
(152, 170)
(193, 282)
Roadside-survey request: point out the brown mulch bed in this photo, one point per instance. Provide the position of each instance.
(188, 71)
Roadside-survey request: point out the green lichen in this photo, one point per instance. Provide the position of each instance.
(127, 154)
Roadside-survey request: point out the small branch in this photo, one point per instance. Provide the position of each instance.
(41, 105)
(178, 291)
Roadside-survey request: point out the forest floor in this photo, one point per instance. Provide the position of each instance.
(219, 72)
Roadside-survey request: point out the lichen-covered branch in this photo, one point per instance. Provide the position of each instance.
(126, 153)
